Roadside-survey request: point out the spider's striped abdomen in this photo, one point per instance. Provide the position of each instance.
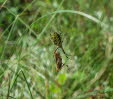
(56, 38)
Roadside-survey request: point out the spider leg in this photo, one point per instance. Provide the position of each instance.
(56, 49)
(64, 52)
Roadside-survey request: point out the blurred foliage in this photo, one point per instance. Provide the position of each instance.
(27, 64)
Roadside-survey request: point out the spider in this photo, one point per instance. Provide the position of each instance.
(57, 40)
(58, 60)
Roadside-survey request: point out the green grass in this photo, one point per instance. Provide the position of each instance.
(27, 64)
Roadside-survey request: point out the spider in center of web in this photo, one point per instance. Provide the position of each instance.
(57, 40)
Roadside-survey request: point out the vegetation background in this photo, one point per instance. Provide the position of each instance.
(27, 64)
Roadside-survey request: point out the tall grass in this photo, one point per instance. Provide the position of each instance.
(27, 64)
